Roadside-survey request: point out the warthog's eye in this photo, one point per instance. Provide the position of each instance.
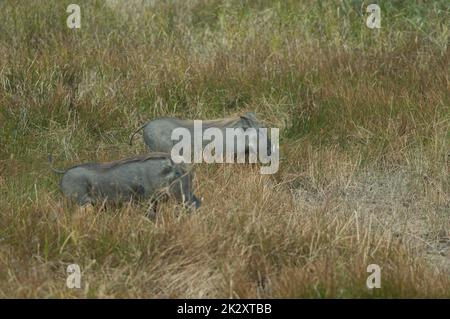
(177, 173)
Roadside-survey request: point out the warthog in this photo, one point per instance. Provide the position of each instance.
(141, 177)
(158, 132)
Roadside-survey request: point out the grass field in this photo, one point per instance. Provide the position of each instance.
(364, 116)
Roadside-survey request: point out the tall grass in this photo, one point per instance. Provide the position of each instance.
(364, 177)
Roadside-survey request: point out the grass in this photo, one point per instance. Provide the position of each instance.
(364, 176)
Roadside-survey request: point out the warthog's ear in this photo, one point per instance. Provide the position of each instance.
(249, 115)
(166, 170)
(249, 118)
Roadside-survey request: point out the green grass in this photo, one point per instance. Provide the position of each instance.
(365, 120)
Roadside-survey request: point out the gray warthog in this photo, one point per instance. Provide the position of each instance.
(141, 177)
(157, 133)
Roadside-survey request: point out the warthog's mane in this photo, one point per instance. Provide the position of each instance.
(219, 123)
(134, 159)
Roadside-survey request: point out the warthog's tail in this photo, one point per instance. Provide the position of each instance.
(50, 161)
(135, 132)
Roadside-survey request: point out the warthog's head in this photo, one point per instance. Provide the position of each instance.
(248, 120)
(181, 186)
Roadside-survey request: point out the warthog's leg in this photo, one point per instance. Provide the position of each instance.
(196, 202)
(81, 212)
(86, 209)
(151, 211)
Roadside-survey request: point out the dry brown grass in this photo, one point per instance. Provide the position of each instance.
(364, 176)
